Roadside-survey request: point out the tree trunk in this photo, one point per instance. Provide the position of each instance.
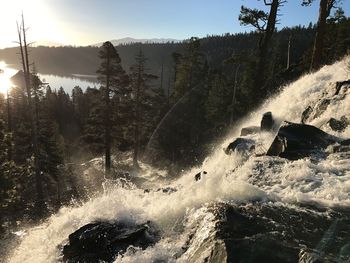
(9, 128)
(161, 77)
(233, 102)
(168, 94)
(263, 48)
(40, 203)
(288, 52)
(316, 59)
(38, 174)
(107, 123)
(137, 119)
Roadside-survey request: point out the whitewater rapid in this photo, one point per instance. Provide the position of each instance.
(231, 178)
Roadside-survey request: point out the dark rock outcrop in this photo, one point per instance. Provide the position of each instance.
(294, 141)
(306, 114)
(338, 125)
(338, 147)
(340, 84)
(277, 233)
(240, 144)
(167, 190)
(198, 176)
(320, 108)
(102, 241)
(345, 142)
(266, 122)
(332, 94)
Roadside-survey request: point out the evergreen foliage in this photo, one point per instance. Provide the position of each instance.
(114, 80)
(143, 98)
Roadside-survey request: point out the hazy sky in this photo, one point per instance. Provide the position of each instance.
(84, 22)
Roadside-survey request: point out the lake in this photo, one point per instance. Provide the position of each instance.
(66, 82)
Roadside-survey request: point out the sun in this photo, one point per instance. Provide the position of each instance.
(5, 83)
(5, 77)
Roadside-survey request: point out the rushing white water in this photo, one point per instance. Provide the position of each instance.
(229, 178)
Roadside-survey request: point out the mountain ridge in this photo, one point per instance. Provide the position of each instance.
(129, 40)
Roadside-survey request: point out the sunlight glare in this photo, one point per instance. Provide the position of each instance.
(5, 84)
(38, 18)
(5, 75)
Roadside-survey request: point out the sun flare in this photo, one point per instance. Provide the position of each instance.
(5, 83)
(5, 77)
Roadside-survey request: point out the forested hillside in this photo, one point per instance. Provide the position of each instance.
(84, 60)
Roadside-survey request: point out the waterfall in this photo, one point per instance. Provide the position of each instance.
(229, 179)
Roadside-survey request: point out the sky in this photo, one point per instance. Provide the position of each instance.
(86, 22)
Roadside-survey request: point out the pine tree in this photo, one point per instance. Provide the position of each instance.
(219, 99)
(113, 79)
(265, 24)
(189, 69)
(94, 126)
(12, 180)
(40, 202)
(142, 95)
(324, 12)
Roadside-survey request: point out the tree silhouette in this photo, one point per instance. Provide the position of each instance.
(113, 79)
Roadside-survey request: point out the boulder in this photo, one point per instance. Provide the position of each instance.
(320, 107)
(263, 232)
(267, 122)
(306, 114)
(345, 142)
(332, 94)
(241, 145)
(338, 125)
(167, 190)
(250, 130)
(343, 146)
(294, 141)
(337, 147)
(198, 176)
(340, 84)
(102, 241)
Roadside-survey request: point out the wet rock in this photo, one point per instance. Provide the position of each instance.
(320, 107)
(311, 113)
(306, 114)
(267, 122)
(340, 84)
(250, 130)
(332, 94)
(338, 125)
(294, 141)
(338, 147)
(211, 250)
(240, 144)
(168, 190)
(277, 233)
(102, 241)
(198, 176)
(345, 142)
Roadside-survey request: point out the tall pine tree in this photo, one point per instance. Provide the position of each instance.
(143, 98)
(113, 79)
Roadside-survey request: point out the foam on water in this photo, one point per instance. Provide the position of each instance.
(232, 178)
